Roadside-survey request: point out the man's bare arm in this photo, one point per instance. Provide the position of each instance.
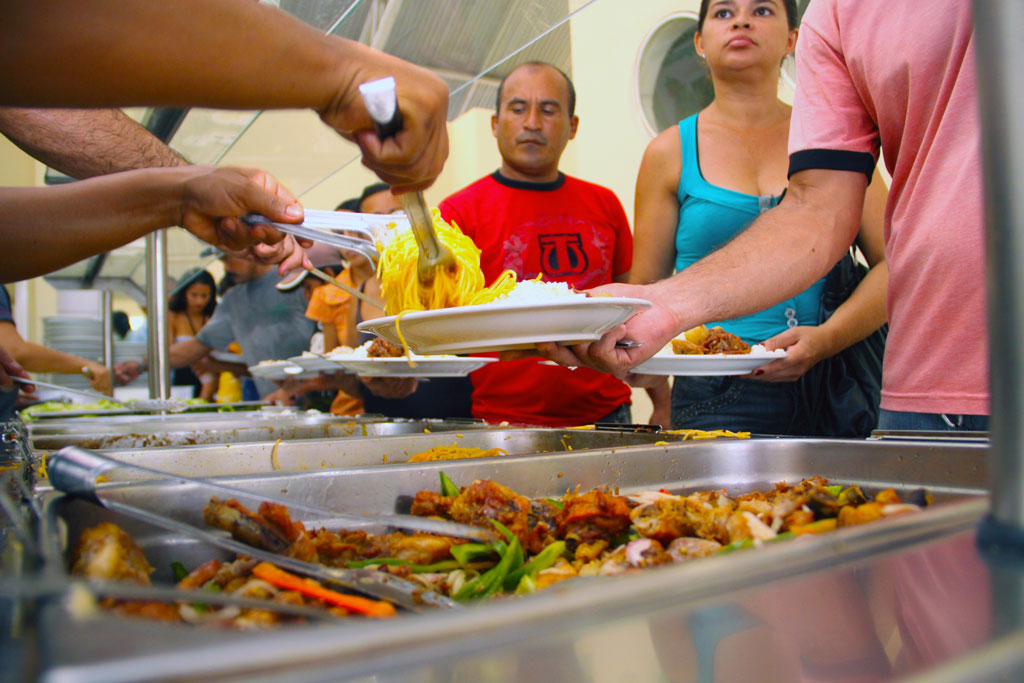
(187, 352)
(83, 143)
(781, 254)
(218, 53)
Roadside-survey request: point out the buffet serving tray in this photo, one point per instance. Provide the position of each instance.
(365, 448)
(117, 648)
(156, 434)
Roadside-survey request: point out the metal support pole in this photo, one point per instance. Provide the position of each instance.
(108, 331)
(999, 41)
(156, 309)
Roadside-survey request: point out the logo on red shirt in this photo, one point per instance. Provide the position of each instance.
(562, 254)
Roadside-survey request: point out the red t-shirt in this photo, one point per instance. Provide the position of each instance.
(570, 231)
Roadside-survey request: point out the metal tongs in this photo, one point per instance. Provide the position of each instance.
(318, 226)
(74, 471)
(173, 405)
(382, 103)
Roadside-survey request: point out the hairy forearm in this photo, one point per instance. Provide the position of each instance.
(781, 254)
(36, 358)
(234, 54)
(83, 143)
(47, 228)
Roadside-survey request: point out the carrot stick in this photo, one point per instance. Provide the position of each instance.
(309, 587)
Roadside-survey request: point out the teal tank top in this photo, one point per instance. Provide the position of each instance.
(710, 216)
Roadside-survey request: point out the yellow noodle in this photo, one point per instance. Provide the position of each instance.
(461, 285)
(454, 452)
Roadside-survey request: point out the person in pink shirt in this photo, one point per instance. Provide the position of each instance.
(867, 84)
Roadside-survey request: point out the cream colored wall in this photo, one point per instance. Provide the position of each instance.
(18, 169)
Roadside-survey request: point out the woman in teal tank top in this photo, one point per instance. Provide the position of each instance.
(704, 181)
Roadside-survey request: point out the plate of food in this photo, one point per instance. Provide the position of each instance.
(381, 358)
(533, 312)
(279, 370)
(707, 352)
(312, 362)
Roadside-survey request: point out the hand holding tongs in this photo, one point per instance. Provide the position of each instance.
(382, 103)
(317, 226)
(74, 471)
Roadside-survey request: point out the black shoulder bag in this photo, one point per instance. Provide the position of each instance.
(840, 395)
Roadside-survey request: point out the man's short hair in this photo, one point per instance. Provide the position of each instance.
(371, 190)
(572, 88)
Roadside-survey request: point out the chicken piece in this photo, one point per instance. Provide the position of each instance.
(542, 522)
(593, 515)
(588, 552)
(799, 517)
(561, 571)
(240, 569)
(714, 524)
(688, 548)
(669, 518)
(200, 575)
(107, 552)
(484, 500)
(382, 348)
(431, 504)
(244, 525)
(862, 514)
(888, 497)
(421, 548)
(338, 548)
(720, 341)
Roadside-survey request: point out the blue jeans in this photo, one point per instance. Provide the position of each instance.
(623, 415)
(894, 420)
(740, 405)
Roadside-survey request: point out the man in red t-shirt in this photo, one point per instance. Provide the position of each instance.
(531, 218)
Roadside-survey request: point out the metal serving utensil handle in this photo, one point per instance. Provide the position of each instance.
(59, 387)
(74, 471)
(415, 207)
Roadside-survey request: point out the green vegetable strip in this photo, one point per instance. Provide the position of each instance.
(494, 579)
(448, 487)
(833, 490)
(544, 559)
(179, 571)
(557, 503)
(466, 552)
(443, 566)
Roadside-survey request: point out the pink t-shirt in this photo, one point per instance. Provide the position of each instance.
(901, 76)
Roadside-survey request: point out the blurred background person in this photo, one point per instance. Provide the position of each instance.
(35, 358)
(191, 305)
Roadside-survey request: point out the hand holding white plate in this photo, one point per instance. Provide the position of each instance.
(500, 326)
(686, 365)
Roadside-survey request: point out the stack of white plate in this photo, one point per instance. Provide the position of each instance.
(78, 336)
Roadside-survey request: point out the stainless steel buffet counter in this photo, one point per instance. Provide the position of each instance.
(120, 649)
(876, 601)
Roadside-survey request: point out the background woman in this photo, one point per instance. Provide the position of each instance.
(705, 180)
(190, 306)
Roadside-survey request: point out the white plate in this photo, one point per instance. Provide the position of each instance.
(227, 357)
(316, 364)
(425, 367)
(718, 364)
(279, 369)
(497, 327)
